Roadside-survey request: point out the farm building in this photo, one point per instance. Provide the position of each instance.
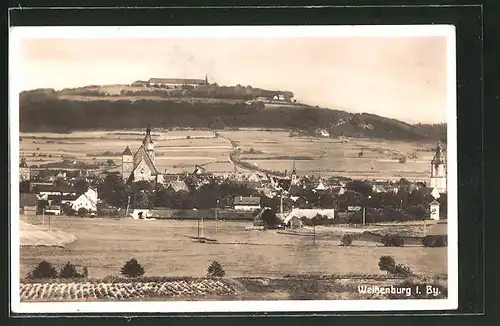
(53, 210)
(176, 82)
(44, 190)
(141, 165)
(27, 204)
(87, 200)
(246, 203)
(309, 214)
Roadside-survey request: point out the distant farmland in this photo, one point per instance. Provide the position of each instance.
(178, 151)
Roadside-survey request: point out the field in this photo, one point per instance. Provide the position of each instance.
(169, 248)
(180, 150)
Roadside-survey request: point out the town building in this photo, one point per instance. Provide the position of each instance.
(246, 203)
(434, 209)
(309, 214)
(438, 177)
(24, 170)
(88, 200)
(176, 82)
(141, 165)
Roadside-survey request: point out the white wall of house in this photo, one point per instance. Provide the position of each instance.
(246, 207)
(84, 202)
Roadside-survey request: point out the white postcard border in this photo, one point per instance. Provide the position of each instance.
(448, 31)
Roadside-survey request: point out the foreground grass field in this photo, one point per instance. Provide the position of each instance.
(180, 150)
(168, 248)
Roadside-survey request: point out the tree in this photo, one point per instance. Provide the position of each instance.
(346, 240)
(386, 263)
(418, 212)
(81, 185)
(69, 271)
(362, 187)
(215, 270)
(82, 211)
(132, 268)
(270, 219)
(110, 162)
(43, 270)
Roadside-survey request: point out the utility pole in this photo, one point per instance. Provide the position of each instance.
(216, 215)
(43, 217)
(314, 232)
(364, 215)
(128, 205)
(281, 202)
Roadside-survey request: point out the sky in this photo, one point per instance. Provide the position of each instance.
(397, 77)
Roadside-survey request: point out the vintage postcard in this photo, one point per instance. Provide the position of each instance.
(233, 169)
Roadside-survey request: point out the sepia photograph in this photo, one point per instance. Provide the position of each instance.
(233, 169)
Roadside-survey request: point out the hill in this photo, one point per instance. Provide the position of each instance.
(121, 106)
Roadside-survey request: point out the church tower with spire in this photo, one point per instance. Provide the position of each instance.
(294, 174)
(24, 170)
(149, 145)
(127, 163)
(438, 178)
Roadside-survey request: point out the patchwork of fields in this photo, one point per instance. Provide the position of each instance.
(179, 151)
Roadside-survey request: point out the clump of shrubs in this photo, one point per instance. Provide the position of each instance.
(215, 270)
(346, 240)
(390, 240)
(132, 268)
(46, 270)
(388, 264)
(43, 270)
(69, 271)
(435, 241)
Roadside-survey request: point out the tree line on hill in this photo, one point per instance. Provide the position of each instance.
(40, 112)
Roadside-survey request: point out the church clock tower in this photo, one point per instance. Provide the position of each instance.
(438, 170)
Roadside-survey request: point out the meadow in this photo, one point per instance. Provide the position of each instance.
(170, 248)
(178, 151)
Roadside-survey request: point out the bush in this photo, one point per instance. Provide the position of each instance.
(43, 270)
(435, 241)
(215, 270)
(387, 263)
(69, 271)
(132, 269)
(346, 240)
(401, 270)
(392, 240)
(82, 211)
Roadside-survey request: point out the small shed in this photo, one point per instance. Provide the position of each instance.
(434, 209)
